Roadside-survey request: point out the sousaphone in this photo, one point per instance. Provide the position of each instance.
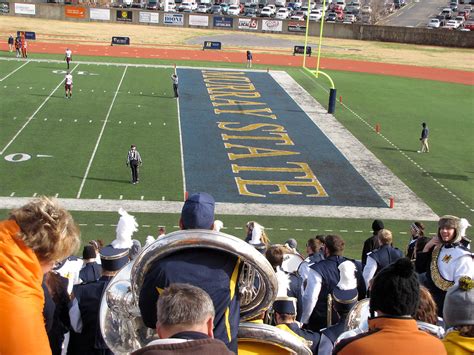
(120, 319)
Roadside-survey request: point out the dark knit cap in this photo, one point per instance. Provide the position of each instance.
(377, 225)
(396, 290)
(88, 252)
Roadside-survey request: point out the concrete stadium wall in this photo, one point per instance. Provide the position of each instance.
(409, 35)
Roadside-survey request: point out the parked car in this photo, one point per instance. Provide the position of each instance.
(447, 13)
(315, 15)
(186, 7)
(366, 9)
(452, 24)
(341, 3)
(442, 20)
(266, 12)
(349, 18)
(250, 11)
(453, 5)
(152, 6)
(399, 3)
(224, 7)
(331, 17)
(464, 14)
(433, 23)
(283, 13)
(234, 10)
(293, 6)
(202, 9)
(298, 16)
(216, 10)
(469, 25)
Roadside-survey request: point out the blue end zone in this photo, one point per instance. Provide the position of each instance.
(246, 141)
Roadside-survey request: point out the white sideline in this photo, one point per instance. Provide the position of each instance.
(34, 114)
(100, 135)
(21, 66)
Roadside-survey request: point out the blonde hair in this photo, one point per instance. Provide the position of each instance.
(48, 229)
(385, 236)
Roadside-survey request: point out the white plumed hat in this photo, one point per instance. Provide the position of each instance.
(126, 226)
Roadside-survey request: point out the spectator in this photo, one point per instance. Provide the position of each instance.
(424, 139)
(86, 298)
(97, 244)
(161, 232)
(257, 237)
(459, 316)
(91, 271)
(344, 296)
(10, 43)
(427, 314)
(174, 79)
(444, 260)
(417, 230)
(285, 319)
(57, 290)
(185, 319)
(372, 243)
(322, 279)
(381, 257)
(216, 272)
(33, 238)
(315, 255)
(289, 284)
(249, 59)
(394, 298)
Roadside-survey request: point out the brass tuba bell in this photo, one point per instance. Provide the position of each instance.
(120, 320)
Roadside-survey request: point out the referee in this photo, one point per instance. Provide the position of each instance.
(134, 160)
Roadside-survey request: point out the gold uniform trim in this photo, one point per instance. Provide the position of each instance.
(438, 280)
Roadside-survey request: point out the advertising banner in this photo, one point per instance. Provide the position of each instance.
(124, 16)
(75, 11)
(4, 7)
(198, 21)
(25, 9)
(120, 40)
(28, 35)
(272, 25)
(149, 17)
(174, 19)
(99, 14)
(248, 24)
(297, 26)
(223, 22)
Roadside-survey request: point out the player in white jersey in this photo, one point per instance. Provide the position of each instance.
(68, 57)
(68, 84)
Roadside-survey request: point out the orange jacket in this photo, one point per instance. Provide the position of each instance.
(22, 328)
(391, 336)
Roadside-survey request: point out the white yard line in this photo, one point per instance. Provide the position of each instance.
(14, 71)
(34, 114)
(140, 65)
(181, 147)
(100, 135)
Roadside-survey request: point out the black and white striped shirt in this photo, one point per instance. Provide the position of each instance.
(133, 155)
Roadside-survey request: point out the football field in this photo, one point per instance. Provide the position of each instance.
(287, 164)
(76, 148)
